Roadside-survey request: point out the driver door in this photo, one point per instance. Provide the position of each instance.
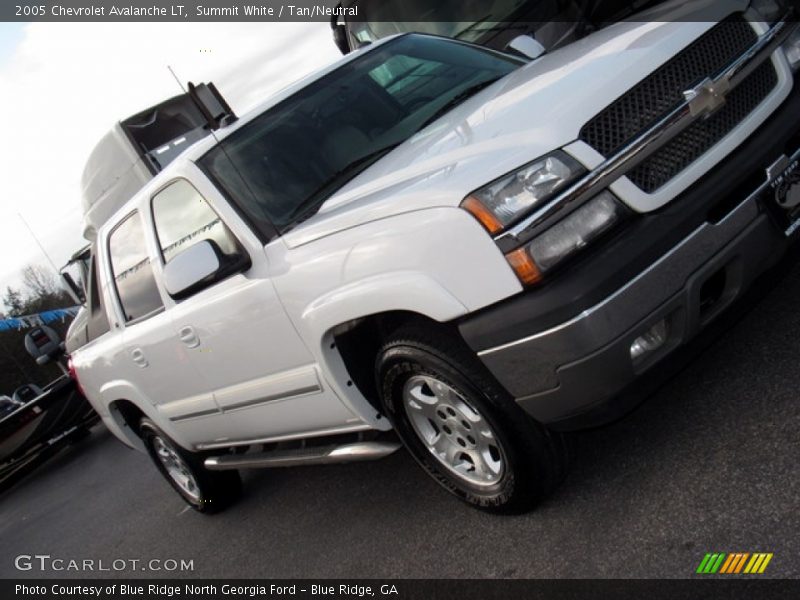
(236, 334)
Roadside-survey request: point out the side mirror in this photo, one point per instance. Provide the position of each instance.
(73, 289)
(339, 32)
(190, 269)
(525, 46)
(340, 38)
(199, 266)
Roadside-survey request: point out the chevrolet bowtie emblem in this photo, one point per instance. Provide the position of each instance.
(708, 96)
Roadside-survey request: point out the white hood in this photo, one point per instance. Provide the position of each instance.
(531, 112)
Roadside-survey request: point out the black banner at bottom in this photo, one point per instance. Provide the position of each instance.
(400, 589)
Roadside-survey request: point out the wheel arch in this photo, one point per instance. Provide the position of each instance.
(349, 318)
(126, 416)
(125, 405)
(358, 342)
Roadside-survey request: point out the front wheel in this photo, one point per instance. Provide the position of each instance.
(205, 491)
(462, 427)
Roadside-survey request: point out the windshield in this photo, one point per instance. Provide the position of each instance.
(281, 166)
(467, 21)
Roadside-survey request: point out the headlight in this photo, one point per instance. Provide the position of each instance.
(791, 48)
(566, 237)
(504, 200)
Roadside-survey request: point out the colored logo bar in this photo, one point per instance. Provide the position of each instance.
(734, 563)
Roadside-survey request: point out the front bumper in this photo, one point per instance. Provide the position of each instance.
(568, 368)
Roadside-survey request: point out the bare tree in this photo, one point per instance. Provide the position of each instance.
(14, 302)
(40, 283)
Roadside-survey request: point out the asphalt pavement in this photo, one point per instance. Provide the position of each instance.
(708, 464)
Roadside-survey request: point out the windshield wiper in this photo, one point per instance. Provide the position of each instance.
(455, 101)
(309, 206)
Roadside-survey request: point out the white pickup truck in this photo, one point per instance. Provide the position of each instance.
(443, 240)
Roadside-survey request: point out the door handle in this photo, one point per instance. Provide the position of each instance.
(139, 358)
(189, 336)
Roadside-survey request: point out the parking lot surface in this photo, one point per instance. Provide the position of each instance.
(708, 464)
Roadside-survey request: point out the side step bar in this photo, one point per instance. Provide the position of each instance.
(321, 455)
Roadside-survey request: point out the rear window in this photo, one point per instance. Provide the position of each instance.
(133, 274)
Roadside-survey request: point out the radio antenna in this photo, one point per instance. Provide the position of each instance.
(38, 243)
(176, 79)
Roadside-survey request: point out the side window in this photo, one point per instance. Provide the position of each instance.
(183, 217)
(131, 269)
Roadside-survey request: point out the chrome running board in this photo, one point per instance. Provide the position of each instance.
(320, 455)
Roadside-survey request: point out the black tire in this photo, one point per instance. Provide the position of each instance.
(534, 458)
(213, 490)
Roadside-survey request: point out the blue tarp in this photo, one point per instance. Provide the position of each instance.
(43, 318)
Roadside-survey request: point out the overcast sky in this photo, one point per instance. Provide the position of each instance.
(62, 86)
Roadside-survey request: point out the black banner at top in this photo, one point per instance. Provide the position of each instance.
(488, 11)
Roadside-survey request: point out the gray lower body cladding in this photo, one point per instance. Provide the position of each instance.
(561, 368)
(566, 370)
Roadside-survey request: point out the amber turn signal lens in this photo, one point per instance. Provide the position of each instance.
(523, 266)
(480, 212)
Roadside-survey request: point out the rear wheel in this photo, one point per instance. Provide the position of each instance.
(462, 427)
(205, 491)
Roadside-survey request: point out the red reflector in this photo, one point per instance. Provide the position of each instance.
(73, 374)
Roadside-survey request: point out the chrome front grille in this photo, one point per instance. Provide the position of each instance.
(701, 135)
(662, 91)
